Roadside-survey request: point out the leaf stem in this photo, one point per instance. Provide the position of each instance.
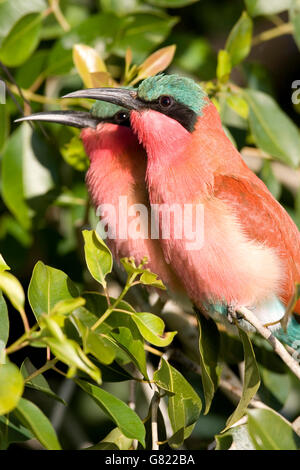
(285, 28)
(111, 308)
(54, 4)
(47, 366)
(22, 341)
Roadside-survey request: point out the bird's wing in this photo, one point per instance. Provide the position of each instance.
(262, 219)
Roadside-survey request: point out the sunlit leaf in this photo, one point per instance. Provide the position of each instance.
(47, 287)
(114, 440)
(87, 61)
(98, 256)
(239, 105)
(156, 62)
(223, 66)
(21, 40)
(11, 387)
(151, 328)
(12, 289)
(151, 279)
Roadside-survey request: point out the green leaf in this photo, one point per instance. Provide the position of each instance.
(223, 66)
(22, 40)
(124, 417)
(275, 387)
(11, 12)
(268, 177)
(74, 154)
(251, 380)
(11, 387)
(13, 290)
(97, 344)
(184, 405)
(69, 352)
(12, 431)
(64, 307)
(34, 419)
(47, 287)
(266, 7)
(209, 346)
(269, 431)
(142, 33)
(4, 124)
(273, 130)
(150, 279)
(28, 173)
(115, 440)
(27, 73)
(129, 339)
(4, 323)
(238, 44)
(239, 105)
(97, 255)
(101, 28)
(236, 438)
(152, 328)
(3, 265)
(38, 383)
(156, 62)
(295, 20)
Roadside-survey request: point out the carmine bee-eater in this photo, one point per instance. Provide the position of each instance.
(250, 254)
(116, 182)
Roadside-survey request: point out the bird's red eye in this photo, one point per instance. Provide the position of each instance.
(165, 101)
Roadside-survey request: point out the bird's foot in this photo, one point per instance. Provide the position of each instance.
(232, 315)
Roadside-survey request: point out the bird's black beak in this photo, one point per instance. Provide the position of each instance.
(78, 119)
(119, 96)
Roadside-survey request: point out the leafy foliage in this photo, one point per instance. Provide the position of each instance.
(86, 320)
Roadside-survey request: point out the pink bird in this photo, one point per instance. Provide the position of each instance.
(251, 251)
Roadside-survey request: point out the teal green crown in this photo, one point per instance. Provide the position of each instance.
(184, 90)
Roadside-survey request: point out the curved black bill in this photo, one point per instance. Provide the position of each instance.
(119, 96)
(78, 119)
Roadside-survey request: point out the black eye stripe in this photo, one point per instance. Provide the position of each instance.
(175, 110)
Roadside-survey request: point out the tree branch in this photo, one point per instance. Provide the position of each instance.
(275, 343)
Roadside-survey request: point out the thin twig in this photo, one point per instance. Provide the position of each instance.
(275, 343)
(286, 28)
(154, 427)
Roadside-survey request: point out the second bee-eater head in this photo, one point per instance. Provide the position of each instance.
(101, 126)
